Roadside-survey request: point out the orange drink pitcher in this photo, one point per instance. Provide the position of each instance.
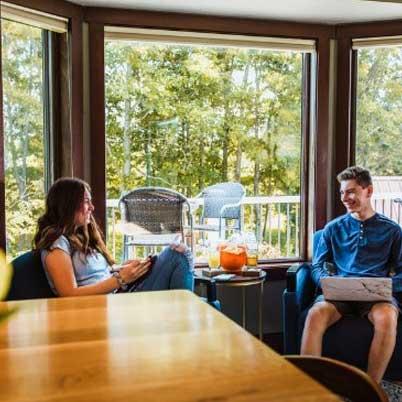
(233, 257)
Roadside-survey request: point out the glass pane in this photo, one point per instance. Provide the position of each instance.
(23, 129)
(379, 124)
(187, 117)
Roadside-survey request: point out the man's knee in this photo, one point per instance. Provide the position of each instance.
(321, 315)
(384, 317)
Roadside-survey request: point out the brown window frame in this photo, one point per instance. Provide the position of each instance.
(67, 49)
(99, 17)
(345, 146)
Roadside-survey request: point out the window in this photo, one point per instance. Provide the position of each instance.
(28, 122)
(23, 131)
(379, 120)
(192, 111)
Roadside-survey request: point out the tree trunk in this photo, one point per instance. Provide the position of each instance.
(269, 171)
(256, 180)
(227, 118)
(239, 154)
(126, 132)
(239, 151)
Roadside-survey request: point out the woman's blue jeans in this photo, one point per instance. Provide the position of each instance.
(171, 270)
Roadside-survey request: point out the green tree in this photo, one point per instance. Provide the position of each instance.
(379, 104)
(23, 127)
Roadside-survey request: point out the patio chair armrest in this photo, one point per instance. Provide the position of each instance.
(227, 206)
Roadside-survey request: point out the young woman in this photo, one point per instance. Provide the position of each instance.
(75, 257)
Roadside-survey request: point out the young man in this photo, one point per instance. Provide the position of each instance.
(359, 243)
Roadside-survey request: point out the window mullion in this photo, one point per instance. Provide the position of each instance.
(48, 121)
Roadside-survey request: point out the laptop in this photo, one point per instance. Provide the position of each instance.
(356, 289)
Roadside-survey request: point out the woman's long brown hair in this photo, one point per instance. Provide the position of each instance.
(63, 201)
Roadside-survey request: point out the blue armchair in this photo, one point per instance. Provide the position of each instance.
(348, 340)
(29, 279)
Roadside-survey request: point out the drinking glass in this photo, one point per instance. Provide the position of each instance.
(213, 257)
(252, 249)
(252, 258)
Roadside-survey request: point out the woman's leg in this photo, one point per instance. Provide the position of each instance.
(171, 270)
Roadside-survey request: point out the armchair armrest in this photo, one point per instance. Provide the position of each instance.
(210, 287)
(299, 293)
(291, 275)
(299, 281)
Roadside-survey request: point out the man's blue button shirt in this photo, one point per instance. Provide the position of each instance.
(370, 248)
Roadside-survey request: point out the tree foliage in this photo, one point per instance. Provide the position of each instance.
(23, 128)
(188, 117)
(379, 105)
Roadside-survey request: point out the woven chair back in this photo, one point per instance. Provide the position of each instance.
(152, 210)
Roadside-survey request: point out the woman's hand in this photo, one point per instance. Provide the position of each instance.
(133, 269)
(180, 247)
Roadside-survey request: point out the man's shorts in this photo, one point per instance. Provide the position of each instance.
(355, 308)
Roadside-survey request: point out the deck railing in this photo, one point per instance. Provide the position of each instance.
(274, 219)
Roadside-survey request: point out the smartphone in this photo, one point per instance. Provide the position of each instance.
(152, 259)
(133, 286)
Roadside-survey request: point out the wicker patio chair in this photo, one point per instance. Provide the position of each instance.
(153, 216)
(222, 201)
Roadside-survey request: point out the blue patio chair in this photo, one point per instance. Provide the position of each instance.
(222, 201)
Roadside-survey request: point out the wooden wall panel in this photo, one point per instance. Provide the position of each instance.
(343, 111)
(57, 7)
(97, 121)
(323, 163)
(204, 23)
(77, 96)
(369, 29)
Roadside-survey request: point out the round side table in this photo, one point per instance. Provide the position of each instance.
(242, 282)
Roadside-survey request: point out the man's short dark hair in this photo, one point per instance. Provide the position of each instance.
(361, 175)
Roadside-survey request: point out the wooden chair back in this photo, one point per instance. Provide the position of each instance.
(340, 378)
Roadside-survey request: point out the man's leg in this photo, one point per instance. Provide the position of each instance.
(320, 316)
(384, 317)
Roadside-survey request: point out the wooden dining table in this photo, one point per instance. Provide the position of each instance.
(150, 346)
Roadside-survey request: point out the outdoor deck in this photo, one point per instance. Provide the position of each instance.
(275, 220)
